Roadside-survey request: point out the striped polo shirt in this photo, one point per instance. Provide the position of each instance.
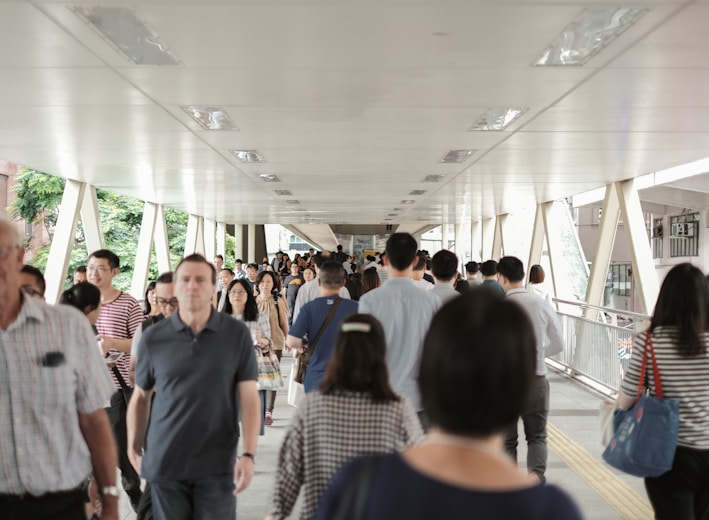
(685, 378)
(119, 319)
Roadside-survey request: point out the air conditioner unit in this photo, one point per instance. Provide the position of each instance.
(682, 230)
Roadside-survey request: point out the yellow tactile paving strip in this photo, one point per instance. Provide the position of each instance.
(617, 493)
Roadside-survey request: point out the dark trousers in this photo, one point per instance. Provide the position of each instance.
(117, 417)
(683, 492)
(271, 394)
(203, 499)
(534, 419)
(68, 505)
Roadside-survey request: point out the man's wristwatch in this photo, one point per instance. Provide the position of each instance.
(249, 456)
(110, 490)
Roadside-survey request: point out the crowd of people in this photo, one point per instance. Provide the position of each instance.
(415, 378)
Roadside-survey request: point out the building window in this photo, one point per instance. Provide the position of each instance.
(620, 275)
(684, 235)
(657, 233)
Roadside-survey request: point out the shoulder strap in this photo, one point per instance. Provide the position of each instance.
(330, 314)
(642, 382)
(655, 370)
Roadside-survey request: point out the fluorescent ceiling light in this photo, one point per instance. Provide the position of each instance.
(417, 192)
(456, 156)
(590, 32)
(408, 201)
(128, 33)
(392, 214)
(269, 177)
(433, 178)
(496, 119)
(398, 209)
(248, 156)
(292, 202)
(210, 118)
(283, 193)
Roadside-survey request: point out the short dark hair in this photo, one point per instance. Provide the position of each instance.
(238, 261)
(444, 265)
(511, 268)
(80, 269)
(472, 267)
(683, 303)
(166, 277)
(354, 285)
(196, 258)
(274, 277)
(420, 264)
(219, 256)
(536, 274)
(85, 296)
(401, 249)
(331, 274)
(358, 362)
(227, 269)
(483, 345)
(251, 309)
(319, 259)
(252, 265)
(488, 268)
(33, 271)
(113, 261)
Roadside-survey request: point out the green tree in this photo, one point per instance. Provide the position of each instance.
(39, 196)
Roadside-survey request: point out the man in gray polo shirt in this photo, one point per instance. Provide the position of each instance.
(405, 312)
(200, 364)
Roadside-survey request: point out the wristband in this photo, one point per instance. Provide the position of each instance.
(110, 490)
(249, 456)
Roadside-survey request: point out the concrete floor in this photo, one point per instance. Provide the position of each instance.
(574, 411)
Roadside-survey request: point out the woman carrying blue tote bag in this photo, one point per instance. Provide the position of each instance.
(678, 347)
(645, 435)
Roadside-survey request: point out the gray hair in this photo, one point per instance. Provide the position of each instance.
(16, 237)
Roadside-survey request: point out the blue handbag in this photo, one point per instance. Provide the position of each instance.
(645, 435)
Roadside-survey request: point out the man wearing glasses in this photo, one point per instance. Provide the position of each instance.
(32, 281)
(120, 317)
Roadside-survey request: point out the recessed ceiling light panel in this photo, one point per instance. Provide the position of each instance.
(283, 193)
(497, 119)
(433, 178)
(456, 156)
(210, 118)
(292, 202)
(269, 177)
(590, 32)
(248, 156)
(417, 192)
(407, 201)
(129, 34)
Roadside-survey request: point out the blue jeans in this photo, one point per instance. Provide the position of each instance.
(209, 498)
(534, 419)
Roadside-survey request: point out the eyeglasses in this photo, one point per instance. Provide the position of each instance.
(6, 250)
(172, 302)
(31, 291)
(100, 269)
(237, 293)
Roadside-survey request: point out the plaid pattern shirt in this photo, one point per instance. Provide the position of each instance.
(327, 431)
(51, 370)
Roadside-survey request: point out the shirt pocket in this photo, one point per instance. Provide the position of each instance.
(54, 387)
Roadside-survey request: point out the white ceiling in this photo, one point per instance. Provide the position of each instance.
(352, 104)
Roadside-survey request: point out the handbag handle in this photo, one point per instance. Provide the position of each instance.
(655, 369)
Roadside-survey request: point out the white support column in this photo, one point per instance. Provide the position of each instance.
(603, 249)
(461, 243)
(444, 236)
(498, 244)
(145, 247)
(221, 240)
(63, 240)
(251, 243)
(91, 220)
(476, 240)
(193, 234)
(640, 253)
(536, 245)
(488, 230)
(210, 244)
(546, 213)
(162, 245)
(239, 243)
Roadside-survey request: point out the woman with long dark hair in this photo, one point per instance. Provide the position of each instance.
(354, 411)
(476, 373)
(273, 305)
(679, 332)
(370, 280)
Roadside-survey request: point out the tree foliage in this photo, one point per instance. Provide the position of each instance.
(39, 196)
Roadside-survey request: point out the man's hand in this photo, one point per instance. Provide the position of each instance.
(243, 474)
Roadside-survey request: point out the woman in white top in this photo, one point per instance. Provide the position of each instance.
(680, 336)
(536, 279)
